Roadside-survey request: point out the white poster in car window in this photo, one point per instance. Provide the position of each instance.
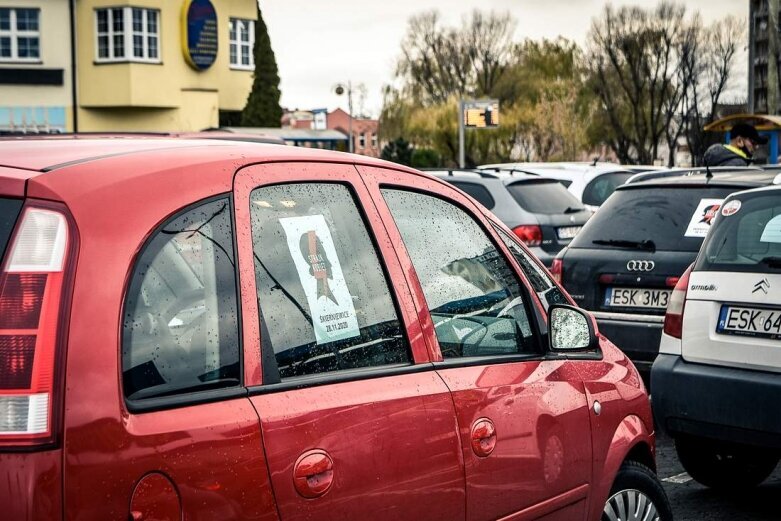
(314, 254)
(703, 217)
(772, 231)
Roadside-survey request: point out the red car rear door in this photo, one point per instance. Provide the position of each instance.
(522, 414)
(176, 437)
(355, 421)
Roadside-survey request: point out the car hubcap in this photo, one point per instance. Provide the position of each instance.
(630, 505)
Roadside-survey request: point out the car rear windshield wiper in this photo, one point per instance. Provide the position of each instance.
(647, 245)
(773, 262)
(571, 209)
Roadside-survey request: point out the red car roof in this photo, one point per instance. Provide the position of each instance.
(47, 154)
(68, 164)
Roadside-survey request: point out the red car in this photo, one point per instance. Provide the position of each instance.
(197, 329)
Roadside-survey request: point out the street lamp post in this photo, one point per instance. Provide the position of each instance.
(341, 89)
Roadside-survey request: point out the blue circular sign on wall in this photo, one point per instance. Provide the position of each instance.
(199, 30)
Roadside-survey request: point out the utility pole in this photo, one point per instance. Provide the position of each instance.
(461, 153)
(341, 89)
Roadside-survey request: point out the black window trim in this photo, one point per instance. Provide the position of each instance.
(338, 377)
(10, 219)
(194, 397)
(267, 355)
(539, 336)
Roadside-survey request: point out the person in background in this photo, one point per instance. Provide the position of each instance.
(744, 140)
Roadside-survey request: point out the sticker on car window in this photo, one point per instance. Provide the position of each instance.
(314, 254)
(731, 208)
(772, 231)
(703, 217)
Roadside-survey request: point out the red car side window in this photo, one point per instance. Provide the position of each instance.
(475, 299)
(180, 331)
(323, 295)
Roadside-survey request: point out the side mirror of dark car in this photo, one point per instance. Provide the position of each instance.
(570, 330)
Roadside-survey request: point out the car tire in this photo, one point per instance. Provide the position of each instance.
(637, 494)
(725, 466)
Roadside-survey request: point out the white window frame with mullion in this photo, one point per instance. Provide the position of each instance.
(14, 34)
(128, 33)
(239, 27)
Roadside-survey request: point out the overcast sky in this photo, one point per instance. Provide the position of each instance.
(319, 43)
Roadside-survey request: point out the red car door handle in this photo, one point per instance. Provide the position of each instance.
(483, 437)
(313, 473)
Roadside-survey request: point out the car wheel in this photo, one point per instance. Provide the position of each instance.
(637, 494)
(725, 466)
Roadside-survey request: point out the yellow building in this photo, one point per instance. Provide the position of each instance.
(135, 72)
(144, 65)
(36, 92)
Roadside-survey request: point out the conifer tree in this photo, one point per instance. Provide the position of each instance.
(263, 109)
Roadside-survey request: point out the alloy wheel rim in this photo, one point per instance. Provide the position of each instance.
(630, 505)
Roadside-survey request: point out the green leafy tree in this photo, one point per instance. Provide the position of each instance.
(397, 151)
(263, 109)
(425, 158)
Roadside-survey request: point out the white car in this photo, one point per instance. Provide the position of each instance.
(591, 183)
(717, 380)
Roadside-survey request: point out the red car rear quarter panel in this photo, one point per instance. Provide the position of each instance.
(625, 420)
(106, 449)
(30, 485)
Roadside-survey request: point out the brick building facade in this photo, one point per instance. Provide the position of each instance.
(365, 132)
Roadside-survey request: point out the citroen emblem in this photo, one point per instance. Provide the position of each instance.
(763, 285)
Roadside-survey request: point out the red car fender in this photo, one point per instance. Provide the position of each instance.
(630, 435)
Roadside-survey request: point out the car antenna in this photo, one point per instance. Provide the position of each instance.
(708, 173)
(596, 160)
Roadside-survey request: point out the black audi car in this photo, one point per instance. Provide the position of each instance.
(625, 262)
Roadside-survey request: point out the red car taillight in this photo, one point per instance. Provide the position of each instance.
(557, 270)
(531, 235)
(31, 290)
(673, 318)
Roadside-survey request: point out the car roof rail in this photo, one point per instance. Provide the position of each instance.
(683, 172)
(508, 170)
(452, 171)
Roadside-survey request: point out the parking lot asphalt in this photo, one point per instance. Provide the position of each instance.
(694, 502)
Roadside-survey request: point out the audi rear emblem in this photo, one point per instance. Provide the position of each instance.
(640, 265)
